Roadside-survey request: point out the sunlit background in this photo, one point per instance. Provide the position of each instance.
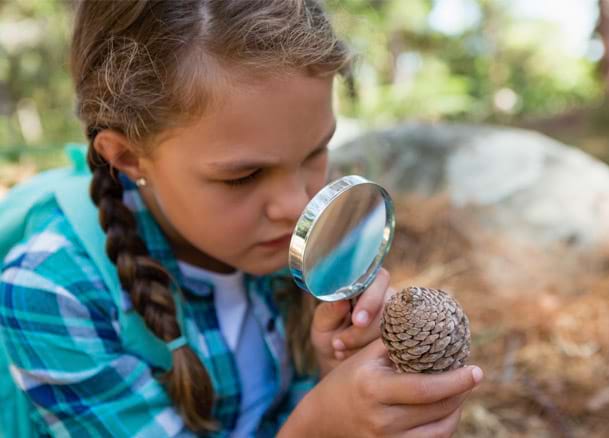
(539, 312)
(521, 62)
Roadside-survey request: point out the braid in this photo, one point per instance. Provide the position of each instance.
(298, 309)
(148, 283)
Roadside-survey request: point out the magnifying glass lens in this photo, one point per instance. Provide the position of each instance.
(342, 238)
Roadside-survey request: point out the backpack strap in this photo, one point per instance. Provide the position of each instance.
(16, 207)
(74, 200)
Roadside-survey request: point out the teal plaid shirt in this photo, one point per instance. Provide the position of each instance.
(60, 327)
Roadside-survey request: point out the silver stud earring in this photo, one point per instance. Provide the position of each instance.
(141, 182)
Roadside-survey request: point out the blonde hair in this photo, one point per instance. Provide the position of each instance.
(142, 66)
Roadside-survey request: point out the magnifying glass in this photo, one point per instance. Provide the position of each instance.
(341, 239)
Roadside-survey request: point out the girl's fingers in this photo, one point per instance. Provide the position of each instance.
(370, 303)
(417, 416)
(353, 338)
(445, 427)
(396, 420)
(329, 317)
(412, 389)
(344, 354)
(359, 334)
(374, 351)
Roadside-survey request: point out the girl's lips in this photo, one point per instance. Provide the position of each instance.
(277, 243)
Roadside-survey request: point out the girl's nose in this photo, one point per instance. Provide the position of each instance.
(289, 200)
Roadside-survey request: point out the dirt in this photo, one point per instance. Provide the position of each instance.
(539, 319)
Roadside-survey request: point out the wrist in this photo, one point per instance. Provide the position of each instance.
(303, 420)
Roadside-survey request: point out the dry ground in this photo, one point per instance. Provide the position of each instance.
(539, 317)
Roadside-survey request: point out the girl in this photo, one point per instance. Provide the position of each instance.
(208, 123)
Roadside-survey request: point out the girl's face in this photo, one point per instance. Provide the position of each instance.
(229, 188)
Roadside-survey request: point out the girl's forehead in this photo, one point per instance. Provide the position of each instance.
(268, 117)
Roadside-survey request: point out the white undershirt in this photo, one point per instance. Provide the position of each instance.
(245, 339)
(230, 299)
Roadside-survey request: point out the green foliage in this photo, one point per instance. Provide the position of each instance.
(36, 97)
(500, 69)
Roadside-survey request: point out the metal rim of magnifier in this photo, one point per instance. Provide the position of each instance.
(309, 218)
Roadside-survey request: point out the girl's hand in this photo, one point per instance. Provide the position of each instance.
(365, 397)
(337, 334)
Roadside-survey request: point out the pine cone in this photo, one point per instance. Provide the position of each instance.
(425, 331)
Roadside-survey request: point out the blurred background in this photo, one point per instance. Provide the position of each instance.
(509, 221)
(528, 63)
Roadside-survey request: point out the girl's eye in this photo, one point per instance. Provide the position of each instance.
(318, 153)
(244, 180)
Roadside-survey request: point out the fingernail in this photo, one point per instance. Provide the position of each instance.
(361, 317)
(338, 344)
(477, 374)
(339, 355)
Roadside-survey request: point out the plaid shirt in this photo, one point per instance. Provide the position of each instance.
(60, 327)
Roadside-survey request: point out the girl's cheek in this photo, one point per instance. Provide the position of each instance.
(317, 177)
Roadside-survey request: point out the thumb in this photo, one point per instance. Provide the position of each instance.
(374, 350)
(329, 317)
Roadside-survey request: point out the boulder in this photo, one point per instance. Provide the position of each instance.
(513, 180)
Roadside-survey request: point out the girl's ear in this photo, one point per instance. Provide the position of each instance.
(118, 152)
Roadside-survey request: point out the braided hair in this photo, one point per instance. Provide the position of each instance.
(149, 287)
(143, 66)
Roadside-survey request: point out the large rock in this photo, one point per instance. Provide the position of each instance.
(518, 181)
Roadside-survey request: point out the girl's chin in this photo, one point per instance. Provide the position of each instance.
(268, 265)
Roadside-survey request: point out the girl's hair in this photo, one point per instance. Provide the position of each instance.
(143, 66)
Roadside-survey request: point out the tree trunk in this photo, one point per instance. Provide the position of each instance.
(603, 30)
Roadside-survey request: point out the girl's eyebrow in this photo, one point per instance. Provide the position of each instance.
(245, 164)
